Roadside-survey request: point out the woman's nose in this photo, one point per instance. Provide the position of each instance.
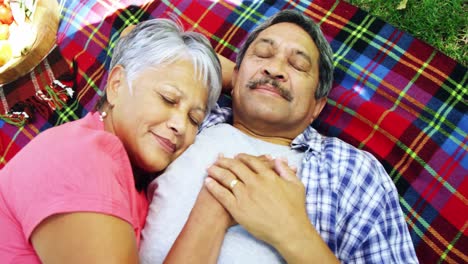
(177, 123)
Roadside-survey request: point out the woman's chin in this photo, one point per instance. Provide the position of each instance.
(152, 161)
(155, 165)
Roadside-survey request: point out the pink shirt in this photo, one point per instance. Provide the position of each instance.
(75, 167)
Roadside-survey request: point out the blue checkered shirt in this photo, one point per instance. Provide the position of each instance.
(350, 199)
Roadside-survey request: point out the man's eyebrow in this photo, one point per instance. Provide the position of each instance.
(267, 40)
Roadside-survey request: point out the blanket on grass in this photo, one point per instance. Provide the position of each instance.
(393, 96)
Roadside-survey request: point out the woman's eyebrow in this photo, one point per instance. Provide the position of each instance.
(184, 95)
(199, 108)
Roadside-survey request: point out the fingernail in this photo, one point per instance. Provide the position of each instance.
(208, 180)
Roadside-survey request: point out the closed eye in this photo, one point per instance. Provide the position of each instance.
(194, 121)
(300, 61)
(263, 53)
(168, 100)
(300, 67)
(263, 50)
(300, 64)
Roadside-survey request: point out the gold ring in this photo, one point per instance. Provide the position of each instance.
(233, 183)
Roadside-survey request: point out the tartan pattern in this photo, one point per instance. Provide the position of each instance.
(394, 96)
(37, 91)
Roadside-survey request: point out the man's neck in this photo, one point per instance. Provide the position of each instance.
(275, 140)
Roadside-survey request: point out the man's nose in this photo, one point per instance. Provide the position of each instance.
(275, 69)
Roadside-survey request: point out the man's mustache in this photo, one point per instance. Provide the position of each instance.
(253, 84)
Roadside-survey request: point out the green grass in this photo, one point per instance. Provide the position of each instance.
(440, 23)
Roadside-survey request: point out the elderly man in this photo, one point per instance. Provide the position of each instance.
(342, 205)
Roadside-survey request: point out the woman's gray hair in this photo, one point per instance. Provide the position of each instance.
(309, 26)
(159, 42)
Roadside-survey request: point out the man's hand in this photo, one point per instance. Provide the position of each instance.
(268, 199)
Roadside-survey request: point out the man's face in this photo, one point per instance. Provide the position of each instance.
(273, 90)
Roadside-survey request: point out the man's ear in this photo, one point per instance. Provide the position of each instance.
(235, 72)
(115, 80)
(319, 105)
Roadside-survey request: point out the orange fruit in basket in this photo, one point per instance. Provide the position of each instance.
(5, 52)
(6, 17)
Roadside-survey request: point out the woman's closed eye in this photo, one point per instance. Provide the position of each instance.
(168, 99)
(195, 119)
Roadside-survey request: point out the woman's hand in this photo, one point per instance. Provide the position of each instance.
(202, 236)
(208, 207)
(268, 199)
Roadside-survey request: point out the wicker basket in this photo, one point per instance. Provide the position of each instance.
(45, 23)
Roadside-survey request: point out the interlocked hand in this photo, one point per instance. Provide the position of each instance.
(268, 199)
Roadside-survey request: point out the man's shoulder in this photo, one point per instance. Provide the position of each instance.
(336, 149)
(217, 115)
(345, 163)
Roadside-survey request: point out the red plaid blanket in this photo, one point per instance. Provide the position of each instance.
(394, 96)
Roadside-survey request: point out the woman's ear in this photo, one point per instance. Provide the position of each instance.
(115, 82)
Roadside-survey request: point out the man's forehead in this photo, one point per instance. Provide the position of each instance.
(290, 34)
(285, 31)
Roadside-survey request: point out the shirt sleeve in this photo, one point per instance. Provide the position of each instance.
(217, 115)
(376, 231)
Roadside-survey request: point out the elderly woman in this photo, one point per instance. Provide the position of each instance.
(84, 201)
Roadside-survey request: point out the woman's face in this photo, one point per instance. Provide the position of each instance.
(159, 119)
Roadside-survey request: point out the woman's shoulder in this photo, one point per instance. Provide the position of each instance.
(83, 135)
(74, 144)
